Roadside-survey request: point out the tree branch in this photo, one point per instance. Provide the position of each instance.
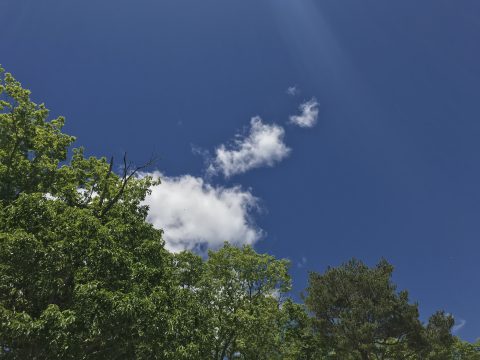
(126, 177)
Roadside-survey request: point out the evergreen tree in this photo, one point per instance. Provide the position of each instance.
(360, 315)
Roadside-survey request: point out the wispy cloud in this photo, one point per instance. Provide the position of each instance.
(293, 90)
(263, 146)
(458, 326)
(302, 262)
(196, 215)
(308, 114)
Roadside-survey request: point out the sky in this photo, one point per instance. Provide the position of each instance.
(315, 130)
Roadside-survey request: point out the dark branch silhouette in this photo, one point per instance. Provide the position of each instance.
(127, 175)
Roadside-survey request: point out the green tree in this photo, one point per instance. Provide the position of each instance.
(360, 315)
(463, 350)
(243, 289)
(438, 333)
(246, 315)
(300, 340)
(82, 274)
(31, 148)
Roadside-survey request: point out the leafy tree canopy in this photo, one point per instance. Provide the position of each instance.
(360, 315)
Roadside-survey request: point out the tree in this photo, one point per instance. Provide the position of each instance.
(243, 289)
(360, 315)
(463, 350)
(438, 333)
(82, 274)
(31, 148)
(247, 316)
(300, 340)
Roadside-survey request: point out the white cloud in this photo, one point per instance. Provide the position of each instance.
(263, 146)
(457, 327)
(196, 215)
(308, 116)
(293, 90)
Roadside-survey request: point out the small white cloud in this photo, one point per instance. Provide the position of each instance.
(293, 90)
(308, 116)
(196, 215)
(263, 146)
(457, 327)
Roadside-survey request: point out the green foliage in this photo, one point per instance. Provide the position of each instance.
(31, 147)
(300, 340)
(360, 315)
(439, 337)
(82, 274)
(463, 350)
(243, 289)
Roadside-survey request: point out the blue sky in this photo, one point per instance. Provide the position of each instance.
(390, 169)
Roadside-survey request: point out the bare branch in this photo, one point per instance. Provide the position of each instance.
(125, 179)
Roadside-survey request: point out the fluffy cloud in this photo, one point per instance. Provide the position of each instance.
(308, 116)
(263, 146)
(196, 215)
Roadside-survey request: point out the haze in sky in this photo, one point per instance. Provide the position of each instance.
(317, 130)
